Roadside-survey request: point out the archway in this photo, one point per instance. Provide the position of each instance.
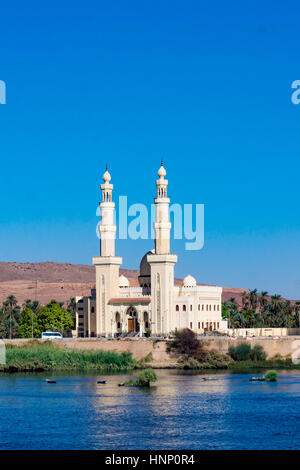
(146, 321)
(118, 328)
(133, 325)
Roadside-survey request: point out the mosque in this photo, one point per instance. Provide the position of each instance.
(157, 305)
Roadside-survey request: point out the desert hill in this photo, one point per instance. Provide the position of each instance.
(48, 280)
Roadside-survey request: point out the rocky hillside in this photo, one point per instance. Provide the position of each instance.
(45, 281)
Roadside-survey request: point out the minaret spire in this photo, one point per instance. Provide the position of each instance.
(107, 208)
(162, 225)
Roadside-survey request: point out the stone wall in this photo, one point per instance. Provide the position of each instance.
(141, 348)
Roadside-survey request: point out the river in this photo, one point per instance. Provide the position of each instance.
(180, 412)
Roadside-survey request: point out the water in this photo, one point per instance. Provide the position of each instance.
(181, 412)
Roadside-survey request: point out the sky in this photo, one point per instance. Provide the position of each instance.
(205, 86)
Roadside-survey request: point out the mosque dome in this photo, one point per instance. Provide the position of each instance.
(123, 281)
(189, 281)
(106, 176)
(162, 172)
(145, 269)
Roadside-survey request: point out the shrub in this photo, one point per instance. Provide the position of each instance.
(257, 353)
(241, 352)
(186, 342)
(271, 376)
(144, 379)
(148, 333)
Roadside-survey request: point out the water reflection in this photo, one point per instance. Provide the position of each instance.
(180, 411)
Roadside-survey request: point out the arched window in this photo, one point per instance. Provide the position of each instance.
(177, 308)
(191, 307)
(184, 308)
(207, 308)
(218, 307)
(202, 306)
(199, 307)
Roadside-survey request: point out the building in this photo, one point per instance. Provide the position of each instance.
(156, 304)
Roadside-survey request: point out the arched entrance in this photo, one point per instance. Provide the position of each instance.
(118, 328)
(133, 325)
(146, 321)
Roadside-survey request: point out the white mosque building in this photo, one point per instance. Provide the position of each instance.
(158, 305)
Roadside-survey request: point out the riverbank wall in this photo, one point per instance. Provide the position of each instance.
(141, 348)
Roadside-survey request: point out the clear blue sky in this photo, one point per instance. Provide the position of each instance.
(204, 85)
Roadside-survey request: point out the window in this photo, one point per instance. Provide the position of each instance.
(218, 325)
(202, 325)
(191, 325)
(80, 308)
(80, 301)
(198, 307)
(214, 325)
(177, 308)
(206, 307)
(218, 307)
(184, 308)
(202, 306)
(80, 316)
(118, 325)
(191, 307)
(92, 309)
(198, 325)
(210, 308)
(214, 308)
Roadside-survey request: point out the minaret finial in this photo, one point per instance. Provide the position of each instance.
(162, 163)
(106, 167)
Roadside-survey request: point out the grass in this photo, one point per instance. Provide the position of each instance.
(36, 356)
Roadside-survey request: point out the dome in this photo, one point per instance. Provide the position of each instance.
(145, 269)
(123, 281)
(162, 172)
(189, 281)
(106, 176)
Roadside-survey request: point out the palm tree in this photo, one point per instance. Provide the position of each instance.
(253, 299)
(263, 299)
(245, 298)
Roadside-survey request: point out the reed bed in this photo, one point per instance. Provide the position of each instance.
(46, 356)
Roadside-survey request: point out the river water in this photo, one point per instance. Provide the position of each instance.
(181, 412)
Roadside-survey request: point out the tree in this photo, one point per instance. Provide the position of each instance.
(186, 342)
(53, 317)
(71, 309)
(28, 324)
(10, 316)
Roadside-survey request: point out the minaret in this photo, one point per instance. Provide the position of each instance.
(107, 264)
(162, 262)
(107, 226)
(162, 225)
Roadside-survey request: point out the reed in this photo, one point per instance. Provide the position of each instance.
(46, 356)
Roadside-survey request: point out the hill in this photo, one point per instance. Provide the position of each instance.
(47, 280)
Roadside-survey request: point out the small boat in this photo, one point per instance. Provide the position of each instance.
(101, 381)
(257, 379)
(121, 385)
(49, 381)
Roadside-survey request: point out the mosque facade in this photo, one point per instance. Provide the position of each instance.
(156, 305)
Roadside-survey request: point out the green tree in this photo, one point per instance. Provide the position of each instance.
(28, 324)
(53, 317)
(71, 309)
(10, 316)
